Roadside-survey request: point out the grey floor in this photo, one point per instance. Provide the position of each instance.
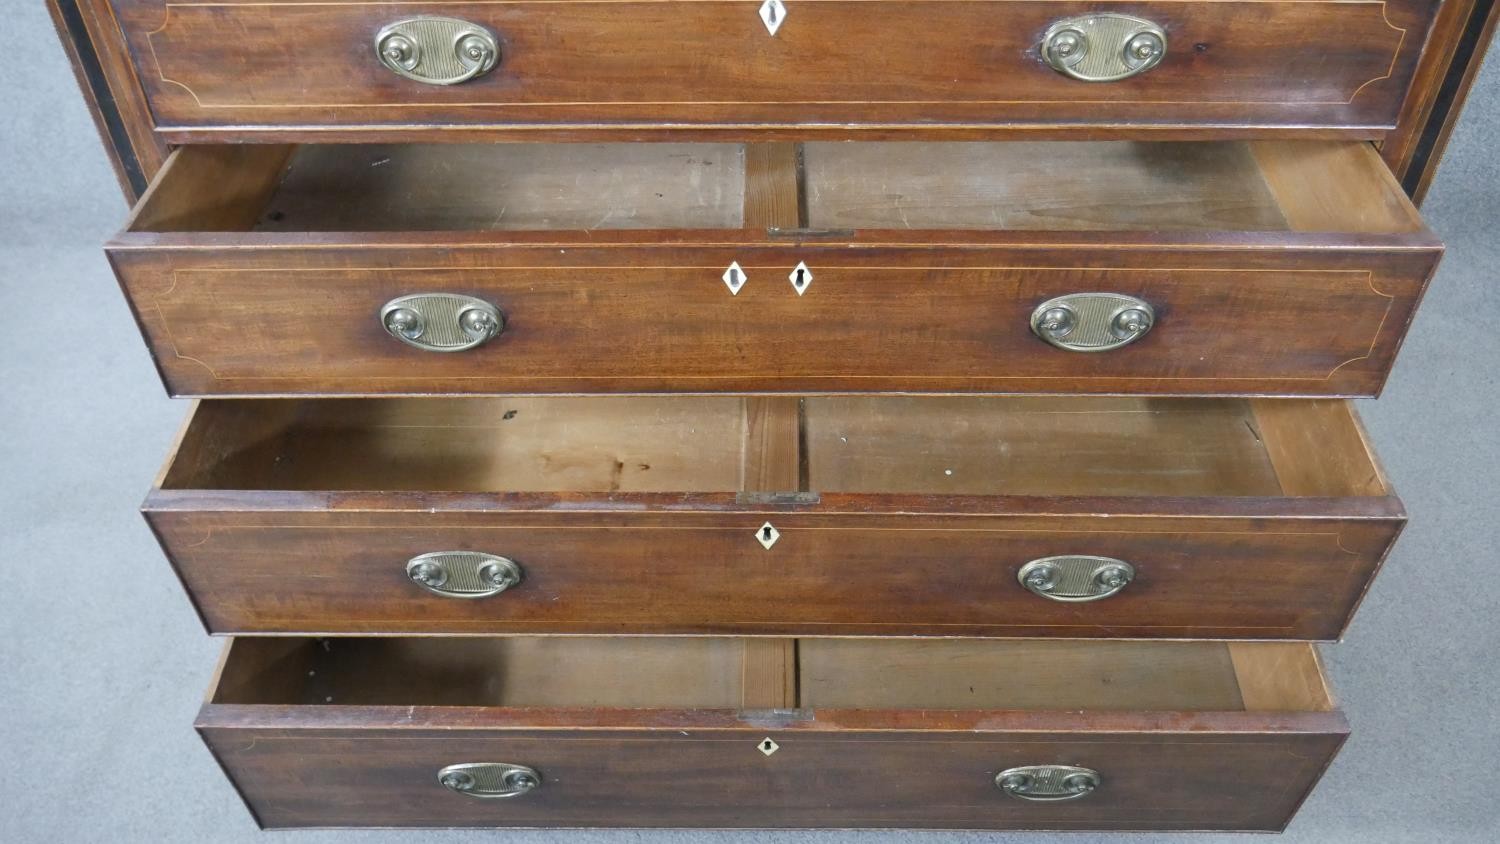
(102, 661)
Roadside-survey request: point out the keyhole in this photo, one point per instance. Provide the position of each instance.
(766, 535)
(771, 13)
(734, 276)
(765, 745)
(801, 275)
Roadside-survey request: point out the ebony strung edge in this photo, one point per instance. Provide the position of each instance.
(1432, 141)
(102, 65)
(102, 102)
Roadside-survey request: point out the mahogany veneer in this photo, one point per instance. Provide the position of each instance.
(896, 516)
(1275, 268)
(286, 70)
(668, 732)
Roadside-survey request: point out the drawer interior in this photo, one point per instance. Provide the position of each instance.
(1071, 446)
(724, 673)
(1106, 185)
(1060, 186)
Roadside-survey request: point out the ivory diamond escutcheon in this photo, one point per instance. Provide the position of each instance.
(772, 13)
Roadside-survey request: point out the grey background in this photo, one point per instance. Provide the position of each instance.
(102, 662)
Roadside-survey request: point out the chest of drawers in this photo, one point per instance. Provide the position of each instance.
(797, 414)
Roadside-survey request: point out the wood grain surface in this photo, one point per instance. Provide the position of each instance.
(1288, 268)
(1230, 747)
(1461, 34)
(234, 70)
(640, 515)
(108, 78)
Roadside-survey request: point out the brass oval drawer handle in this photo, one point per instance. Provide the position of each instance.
(437, 50)
(463, 574)
(1103, 47)
(490, 780)
(442, 322)
(1092, 322)
(1048, 782)
(1076, 578)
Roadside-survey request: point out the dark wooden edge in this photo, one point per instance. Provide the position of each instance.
(135, 316)
(759, 133)
(192, 598)
(1469, 56)
(1401, 336)
(1438, 45)
(229, 777)
(711, 506)
(306, 719)
(161, 475)
(1398, 528)
(1456, 46)
(1342, 738)
(225, 653)
(96, 47)
(1420, 241)
(1398, 525)
(73, 33)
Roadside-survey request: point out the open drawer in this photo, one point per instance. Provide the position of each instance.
(771, 732)
(975, 516)
(1217, 268)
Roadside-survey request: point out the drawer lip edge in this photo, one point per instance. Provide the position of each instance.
(1422, 240)
(301, 718)
(873, 505)
(183, 133)
(230, 632)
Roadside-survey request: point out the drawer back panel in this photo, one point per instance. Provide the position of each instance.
(716, 673)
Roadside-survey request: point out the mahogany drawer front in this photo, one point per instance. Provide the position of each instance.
(1262, 519)
(248, 68)
(1267, 269)
(771, 733)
